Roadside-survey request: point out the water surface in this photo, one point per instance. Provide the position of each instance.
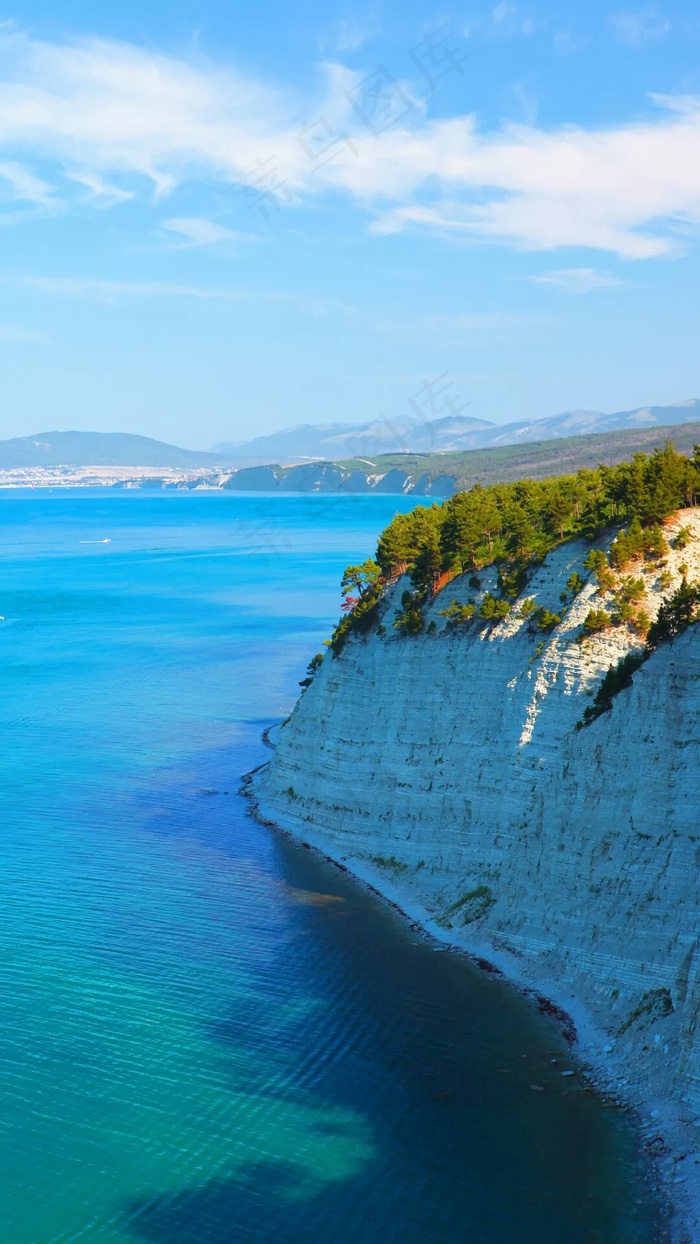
(209, 1036)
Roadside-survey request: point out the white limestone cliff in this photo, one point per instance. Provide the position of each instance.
(447, 769)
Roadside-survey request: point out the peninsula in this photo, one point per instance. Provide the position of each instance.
(503, 737)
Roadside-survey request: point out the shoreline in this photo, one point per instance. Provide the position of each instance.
(668, 1140)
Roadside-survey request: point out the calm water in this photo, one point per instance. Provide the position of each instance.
(208, 1036)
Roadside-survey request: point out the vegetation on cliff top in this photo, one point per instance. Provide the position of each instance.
(514, 525)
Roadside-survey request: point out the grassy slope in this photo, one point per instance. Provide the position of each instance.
(536, 459)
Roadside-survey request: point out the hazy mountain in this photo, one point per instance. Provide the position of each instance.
(351, 440)
(442, 474)
(329, 441)
(581, 422)
(100, 449)
(333, 441)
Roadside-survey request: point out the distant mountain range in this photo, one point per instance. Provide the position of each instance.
(50, 449)
(342, 441)
(329, 442)
(441, 475)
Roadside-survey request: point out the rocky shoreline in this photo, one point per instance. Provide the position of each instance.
(669, 1143)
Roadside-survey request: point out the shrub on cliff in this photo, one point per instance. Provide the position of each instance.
(409, 621)
(624, 612)
(676, 614)
(596, 620)
(656, 543)
(575, 583)
(545, 620)
(617, 678)
(362, 578)
(627, 596)
(597, 562)
(627, 545)
(631, 589)
(458, 615)
(360, 619)
(512, 578)
(314, 664)
(493, 610)
(641, 622)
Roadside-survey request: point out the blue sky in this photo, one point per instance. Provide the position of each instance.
(223, 219)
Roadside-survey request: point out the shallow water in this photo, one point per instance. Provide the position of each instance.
(208, 1035)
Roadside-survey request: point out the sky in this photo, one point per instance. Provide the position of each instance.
(220, 219)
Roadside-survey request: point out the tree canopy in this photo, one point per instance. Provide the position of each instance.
(517, 524)
(521, 521)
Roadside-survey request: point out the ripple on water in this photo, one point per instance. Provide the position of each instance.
(209, 1036)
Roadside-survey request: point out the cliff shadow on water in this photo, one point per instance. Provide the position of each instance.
(448, 1108)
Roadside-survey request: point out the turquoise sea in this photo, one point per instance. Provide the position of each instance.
(208, 1035)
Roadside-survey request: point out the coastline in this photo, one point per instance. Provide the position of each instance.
(669, 1140)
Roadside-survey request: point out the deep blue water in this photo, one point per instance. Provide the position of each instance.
(208, 1035)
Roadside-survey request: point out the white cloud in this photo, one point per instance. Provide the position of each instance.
(99, 105)
(22, 336)
(105, 110)
(622, 189)
(200, 232)
(21, 185)
(638, 29)
(101, 193)
(578, 280)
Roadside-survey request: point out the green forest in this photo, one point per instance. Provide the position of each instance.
(514, 526)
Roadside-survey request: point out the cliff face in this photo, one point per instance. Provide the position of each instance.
(450, 764)
(332, 477)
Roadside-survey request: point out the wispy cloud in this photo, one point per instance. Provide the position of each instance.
(348, 36)
(566, 43)
(200, 232)
(101, 106)
(106, 111)
(639, 29)
(100, 192)
(21, 185)
(456, 327)
(508, 19)
(625, 189)
(112, 291)
(22, 336)
(578, 280)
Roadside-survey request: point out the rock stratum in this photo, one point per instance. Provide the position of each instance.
(447, 768)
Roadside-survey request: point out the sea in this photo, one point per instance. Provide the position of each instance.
(208, 1035)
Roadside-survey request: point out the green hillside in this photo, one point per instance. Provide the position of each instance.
(536, 460)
